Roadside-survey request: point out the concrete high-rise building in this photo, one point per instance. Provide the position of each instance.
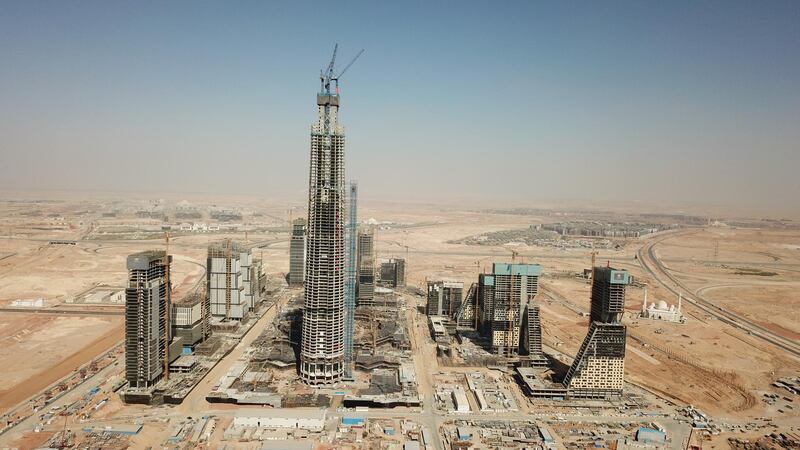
(366, 267)
(599, 368)
(146, 333)
(444, 298)
(322, 340)
(297, 252)
(485, 299)
(531, 329)
(503, 297)
(393, 272)
(231, 283)
(191, 320)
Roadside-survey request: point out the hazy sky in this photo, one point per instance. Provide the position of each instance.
(521, 101)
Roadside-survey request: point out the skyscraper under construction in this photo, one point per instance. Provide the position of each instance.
(146, 332)
(322, 341)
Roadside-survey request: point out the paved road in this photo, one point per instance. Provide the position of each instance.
(650, 262)
(195, 403)
(67, 399)
(422, 354)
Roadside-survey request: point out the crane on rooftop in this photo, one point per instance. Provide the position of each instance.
(329, 74)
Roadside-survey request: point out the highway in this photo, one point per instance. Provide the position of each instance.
(651, 263)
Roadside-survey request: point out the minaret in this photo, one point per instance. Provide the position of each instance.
(680, 300)
(644, 302)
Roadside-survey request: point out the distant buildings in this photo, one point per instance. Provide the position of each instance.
(393, 272)
(599, 367)
(444, 298)
(365, 292)
(297, 253)
(146, 332)
(503, 297)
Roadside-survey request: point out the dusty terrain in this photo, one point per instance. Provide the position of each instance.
(37, 350)
(720, 369)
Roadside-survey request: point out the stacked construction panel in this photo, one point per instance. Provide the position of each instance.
(225, 281)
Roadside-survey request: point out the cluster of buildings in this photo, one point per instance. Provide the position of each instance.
(605, 229)
(159, 330)
(502, 308)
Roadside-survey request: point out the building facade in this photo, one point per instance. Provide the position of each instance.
(444, 298)
(146, 332)
(322, 340)
(297, 252)
(503, 297)
(230, 281)
(191, 320)
(393, 272)
(531, 329)
(366, 267)
(598, 370)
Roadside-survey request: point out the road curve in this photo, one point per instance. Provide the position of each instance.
(650, 262)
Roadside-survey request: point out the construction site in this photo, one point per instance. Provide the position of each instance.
(230, 322)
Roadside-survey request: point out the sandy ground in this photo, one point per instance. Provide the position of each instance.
(754, 272)
(53, 346)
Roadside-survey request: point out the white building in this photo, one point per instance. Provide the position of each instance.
(313, 420)
(460, 400)
(662, 311)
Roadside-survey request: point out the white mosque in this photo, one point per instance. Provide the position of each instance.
(662, 311)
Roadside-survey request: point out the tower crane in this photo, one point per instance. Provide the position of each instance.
(328, 75)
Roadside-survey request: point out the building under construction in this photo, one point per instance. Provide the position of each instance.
(366, 267)
(322, 358)
(444, 298)
(467, 316)
(599, 367)
(530, 350)
(393, 272)
(146, 329)
(191, 320)
(297, 252)
(503, 297)
(232, 284)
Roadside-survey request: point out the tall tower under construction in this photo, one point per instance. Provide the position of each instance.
(146, 333)
(599, 368)
(322, 341)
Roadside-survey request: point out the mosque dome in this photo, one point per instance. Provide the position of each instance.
(662, 305)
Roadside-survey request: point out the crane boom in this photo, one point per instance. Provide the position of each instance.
(348, 66)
